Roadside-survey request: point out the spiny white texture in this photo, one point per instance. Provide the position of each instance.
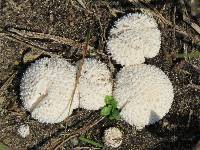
(94, 84)
(133, 38)
(147, 91)
(24, 131)
(46, 87)
(113, 137)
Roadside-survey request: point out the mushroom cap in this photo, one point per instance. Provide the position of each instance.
(46, 88)
(94, 84)
(113, 137)
(23, 130)
(133, 38)
(145, 92)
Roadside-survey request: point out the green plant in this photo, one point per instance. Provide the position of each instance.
(194, 54)
(3, 147)
(83, 139)
(110, 109)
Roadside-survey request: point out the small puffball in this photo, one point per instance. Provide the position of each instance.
(46, 89)
(146, 92)
(23, 131)
(94, 84)
(133, 38)
(113, 137)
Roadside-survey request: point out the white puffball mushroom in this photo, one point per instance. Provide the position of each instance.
(94, 84)
(113, 137)
(145, 92)
(23, 131)
(46, 88)
(133, 38)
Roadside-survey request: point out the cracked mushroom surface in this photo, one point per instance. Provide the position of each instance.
(145, 92)
(46, 88)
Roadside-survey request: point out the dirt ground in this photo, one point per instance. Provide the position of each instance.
(63, 26)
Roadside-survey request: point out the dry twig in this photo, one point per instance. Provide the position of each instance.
(76, 133)
(43, 36)
(24, 41)
(194, 86)
(87, 148)
(78, 75)
(157, 14)
(174, 29)
(25, 37)
(189, 118)
(7, 83)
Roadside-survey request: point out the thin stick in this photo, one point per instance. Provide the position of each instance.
(76, 133)
(42, 36)
(194, 86)
(174, 29)
(164, 20)
(85, 49)
(92, 148)
(24, 42)
(78, 75)
(189, 118)
(7, 83)
(38, 101)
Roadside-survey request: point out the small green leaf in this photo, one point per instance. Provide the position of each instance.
(110, 109)
(3, 147)
(106, 110)
(83, 139)
(114, 104)
(194, 54)
(108, 100)
(115, 114)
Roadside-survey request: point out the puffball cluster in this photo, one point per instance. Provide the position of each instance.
(133, 38)
(146, 92)
(94, 84)
(48, 85)
(46, 89)
(113, 137)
